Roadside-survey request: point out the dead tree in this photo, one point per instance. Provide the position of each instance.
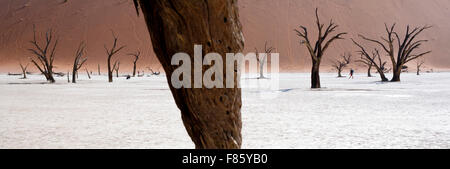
(262, 60)
(320, 46)
(152, 72)
(340, 64)
(116, 67)
(406, 47)
(111, 52)
(24, 70)
(212, 117)
(380, 65)
(98, 68)
(419, 64)
(136, 58)
(44, 54)
(367, 62)
(87, 72)
(79, 61)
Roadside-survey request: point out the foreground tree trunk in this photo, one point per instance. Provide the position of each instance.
(212, 117)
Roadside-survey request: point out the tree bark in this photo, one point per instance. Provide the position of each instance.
(315, 77)
(368, 71)
(339, 73)
(212, 117)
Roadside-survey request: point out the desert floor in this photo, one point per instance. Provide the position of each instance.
(140, 113)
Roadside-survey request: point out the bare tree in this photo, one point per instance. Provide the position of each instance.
(152, 72)
(87, 72)
(111, 52)
(263, 60)
(405, 47)
(44, 55)
(24, 70)
(340, 64)
(116, 67)
(98, 68)
(320, 46)
(380, 65)
(79, 61)
(136, 58)
(367, 62)
(419, 64)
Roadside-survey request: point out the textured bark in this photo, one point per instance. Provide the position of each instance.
(212, 117)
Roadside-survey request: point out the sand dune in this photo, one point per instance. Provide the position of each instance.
(263, 20)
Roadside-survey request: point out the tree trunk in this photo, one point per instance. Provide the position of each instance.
(110, 73)
(24, 73)
(134, 69)
(87, 72)
(368, 71)
(382, 76)
(315, 77)
(261, 70)
(74, 72)
(98, 67)
(396, 75)
(50, 77)
(339, 72)
(212, 117)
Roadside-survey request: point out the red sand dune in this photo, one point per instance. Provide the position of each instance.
(263, 20)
